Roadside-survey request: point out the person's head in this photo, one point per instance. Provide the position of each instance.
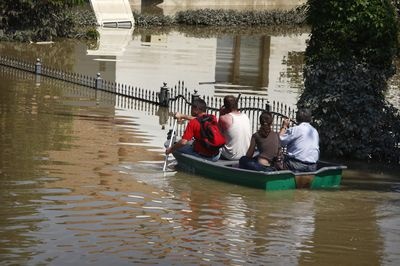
(198, 106)
(230, 103)
(266, 120)
(303, 115)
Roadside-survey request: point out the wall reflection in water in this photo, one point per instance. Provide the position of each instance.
(85, 186)
(251, 65)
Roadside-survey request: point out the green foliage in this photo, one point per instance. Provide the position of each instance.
(360, 30)
(92, 34)
(350, 111)
(396, 4)
(348, 63)
(76, 2)
(38, 20)
(146, 20)
(220, 17)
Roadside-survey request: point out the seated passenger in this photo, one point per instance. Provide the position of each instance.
(302, 142)
(193, 132)
(236, 129)
(267, 143)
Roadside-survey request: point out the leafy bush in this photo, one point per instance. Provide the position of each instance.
(360, 30)
(220, 17)
(25, 20)
(350, 112)
(146, 20)
(348, 62)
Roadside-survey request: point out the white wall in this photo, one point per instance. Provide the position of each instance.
(112, 11)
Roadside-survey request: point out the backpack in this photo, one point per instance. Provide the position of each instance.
(211, 136)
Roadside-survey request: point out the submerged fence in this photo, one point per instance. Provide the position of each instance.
(163, 103)
(176, 98)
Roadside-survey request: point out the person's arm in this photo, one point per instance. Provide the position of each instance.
(225, 121)
(186, 137)
(284, 127)
(181, 117)
(176, 146)
(252, 147)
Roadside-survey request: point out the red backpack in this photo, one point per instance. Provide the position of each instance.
(211, 136)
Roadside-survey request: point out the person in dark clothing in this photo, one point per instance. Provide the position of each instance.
(267, 143)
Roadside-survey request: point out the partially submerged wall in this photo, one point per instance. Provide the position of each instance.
(112, 11)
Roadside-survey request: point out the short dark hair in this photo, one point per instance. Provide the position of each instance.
(230, 103)
(303, 115)
(266, 120)
(199, 104)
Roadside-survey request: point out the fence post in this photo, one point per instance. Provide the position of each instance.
(267, 107)
(163, 96)
(38, 72)
(38, 67)
(98, 82)
(195, 96)
(163, 115)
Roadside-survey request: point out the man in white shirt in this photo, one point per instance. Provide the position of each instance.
(302, 143)
(236, 129)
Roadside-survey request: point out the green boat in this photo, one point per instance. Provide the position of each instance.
(328, 175)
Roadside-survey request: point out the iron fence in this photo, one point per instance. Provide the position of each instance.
(176, 98)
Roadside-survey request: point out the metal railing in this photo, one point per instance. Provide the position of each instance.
(176, 99)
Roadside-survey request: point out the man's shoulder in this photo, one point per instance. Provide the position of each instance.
(206, 117)
(306, 125)
(235, 114)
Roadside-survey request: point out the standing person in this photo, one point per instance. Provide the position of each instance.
(267, 143)
(193, 132)
(235, 127)
(302, 142)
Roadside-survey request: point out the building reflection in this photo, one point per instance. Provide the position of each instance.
(243, 60)
(251, 65)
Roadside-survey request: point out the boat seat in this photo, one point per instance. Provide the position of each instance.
(227, 162)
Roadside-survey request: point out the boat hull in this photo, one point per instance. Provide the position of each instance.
(328, 175)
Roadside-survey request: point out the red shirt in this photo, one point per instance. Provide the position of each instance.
(193, 131)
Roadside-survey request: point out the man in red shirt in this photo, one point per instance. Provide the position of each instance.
(193, 132)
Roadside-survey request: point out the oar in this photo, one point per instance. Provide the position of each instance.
(169, 145)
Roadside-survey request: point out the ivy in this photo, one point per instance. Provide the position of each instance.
(34, 20)
(348, 63)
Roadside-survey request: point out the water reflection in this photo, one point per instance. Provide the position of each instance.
(85, 186)
(81, 170)
(111, 43)
(264, 64)
(171, 7)
(389, 225)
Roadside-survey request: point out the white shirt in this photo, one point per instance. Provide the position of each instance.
(302, 142)
(237, 137)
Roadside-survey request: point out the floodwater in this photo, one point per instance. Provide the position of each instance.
(82, 182)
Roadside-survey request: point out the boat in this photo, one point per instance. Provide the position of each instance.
(327, 176)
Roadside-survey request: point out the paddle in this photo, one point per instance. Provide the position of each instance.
(169, 145)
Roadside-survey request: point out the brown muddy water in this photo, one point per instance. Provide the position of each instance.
(82, 183)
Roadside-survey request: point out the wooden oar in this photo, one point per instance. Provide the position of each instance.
(169, 145)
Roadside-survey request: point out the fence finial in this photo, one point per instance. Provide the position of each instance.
(163, 96)
(98, 82)
(267, 107)
(195, 96)
(38, 67)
